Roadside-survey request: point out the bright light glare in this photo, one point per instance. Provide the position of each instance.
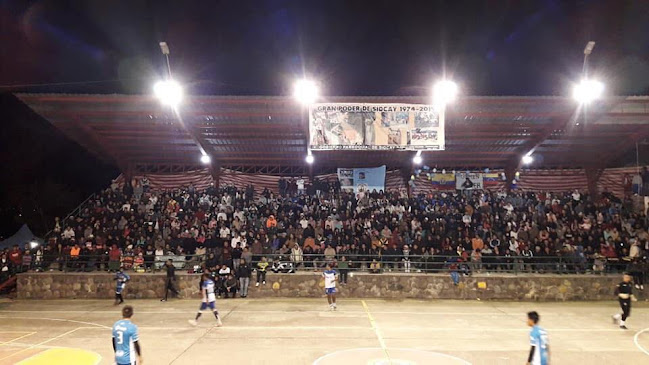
(206, 159)
(587, 91)
(305, 91)
(417, 160)
(444, 92)
(169, 92)
(528, 159)
(33, 244)
(309, 159)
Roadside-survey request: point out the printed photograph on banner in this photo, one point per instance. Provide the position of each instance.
(394, 136)
(392, 119)
(346, 178)
(469, 181)
(426, 120)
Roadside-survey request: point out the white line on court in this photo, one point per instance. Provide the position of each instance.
(40, 343)
(637, 344)
(17, 338)
(60, 320)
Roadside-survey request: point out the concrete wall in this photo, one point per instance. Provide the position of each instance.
(52, 285)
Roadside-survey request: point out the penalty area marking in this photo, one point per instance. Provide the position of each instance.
(637, 344)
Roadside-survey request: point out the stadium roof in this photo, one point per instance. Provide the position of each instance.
(269, 134)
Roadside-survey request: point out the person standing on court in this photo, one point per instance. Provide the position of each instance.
(170, 282)
(126, 344)
(243, 273)
(624, 292)
(540, 349)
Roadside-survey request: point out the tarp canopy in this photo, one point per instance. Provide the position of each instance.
(24, 235)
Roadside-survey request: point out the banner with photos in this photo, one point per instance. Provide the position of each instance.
(361, 180)
(351, 126)
(469, 181)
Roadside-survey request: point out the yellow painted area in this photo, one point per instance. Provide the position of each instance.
(63, 356)
(482, 285)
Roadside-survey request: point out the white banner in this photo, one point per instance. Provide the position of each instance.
(348, 126)
(469, 181)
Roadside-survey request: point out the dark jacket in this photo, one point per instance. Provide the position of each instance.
(244, 271)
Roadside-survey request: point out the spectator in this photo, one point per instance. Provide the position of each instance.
(243, 273)
(16, 259)
(261, 271)
(229, 287)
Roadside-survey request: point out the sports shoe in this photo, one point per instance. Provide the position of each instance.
(641, 287)
(334, 307)
(218, 322)
(637, 286)
(623, 327)
(264, 282)
(257, 284)
(163, 300)
(193, 322)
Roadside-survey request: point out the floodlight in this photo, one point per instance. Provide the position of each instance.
(309, 158)
(444, 92)
(169, 92)
(164, 48)
(206, 159)
(527, 159)
(587, 91)
(305, 91)
(417, 160)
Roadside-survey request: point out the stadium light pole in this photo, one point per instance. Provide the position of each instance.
(587, 90)
(169, 91)
(306, 92)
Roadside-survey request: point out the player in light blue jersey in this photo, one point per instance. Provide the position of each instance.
(207, 286)
(121, 277)
(330, 277)
(126, 340)
(540, 351)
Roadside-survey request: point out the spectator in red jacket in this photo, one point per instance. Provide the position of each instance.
(16, 258)
(114, 258)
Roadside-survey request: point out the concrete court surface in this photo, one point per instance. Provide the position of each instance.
(305, 331)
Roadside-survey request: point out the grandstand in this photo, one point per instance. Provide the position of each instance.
(562, 228)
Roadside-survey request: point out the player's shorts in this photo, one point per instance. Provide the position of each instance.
(330, 291)
(211, 305)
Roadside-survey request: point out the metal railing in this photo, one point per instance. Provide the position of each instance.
(287, 263)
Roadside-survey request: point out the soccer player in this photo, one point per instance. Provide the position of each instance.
(121, 277)
(624, 292)
(126, 340)
(330, 277)
(209, 299)
(540, 351)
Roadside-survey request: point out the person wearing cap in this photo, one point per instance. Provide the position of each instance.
(624, 292)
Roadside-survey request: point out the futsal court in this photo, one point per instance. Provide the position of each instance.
(305, 331)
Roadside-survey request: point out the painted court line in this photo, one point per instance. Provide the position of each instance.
(40, 343)
(17, 338)
(377, 330)
(59, 320)
(637, 344)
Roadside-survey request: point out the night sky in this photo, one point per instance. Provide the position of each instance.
(380, 47)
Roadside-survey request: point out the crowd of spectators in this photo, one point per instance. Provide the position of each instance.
(306, 226)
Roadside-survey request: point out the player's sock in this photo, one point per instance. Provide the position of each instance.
(216, 315)
(198, 315)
